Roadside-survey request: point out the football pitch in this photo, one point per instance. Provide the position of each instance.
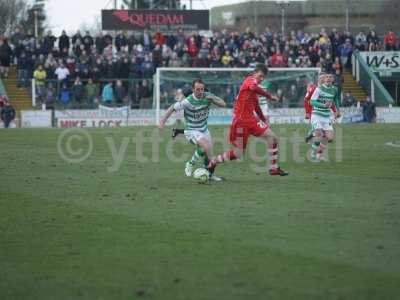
(110, 215)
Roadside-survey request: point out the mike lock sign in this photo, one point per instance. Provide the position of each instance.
(155, 20)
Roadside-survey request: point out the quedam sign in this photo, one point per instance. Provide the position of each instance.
(155, 20)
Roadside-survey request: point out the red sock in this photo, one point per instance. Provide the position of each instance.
(273, 157)
(321, 148)
(229, 155)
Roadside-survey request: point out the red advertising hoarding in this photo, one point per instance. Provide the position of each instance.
(155, 20)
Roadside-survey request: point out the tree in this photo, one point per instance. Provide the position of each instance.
(12, 12)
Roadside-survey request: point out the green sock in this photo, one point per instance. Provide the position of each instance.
(196, 156)
(315, 146)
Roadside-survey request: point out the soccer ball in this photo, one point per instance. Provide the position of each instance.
(201, 174)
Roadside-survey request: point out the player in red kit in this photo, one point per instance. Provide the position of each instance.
(307, 105)
(248, 119)
(308, 108)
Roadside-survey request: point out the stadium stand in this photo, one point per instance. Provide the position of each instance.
(134, 58)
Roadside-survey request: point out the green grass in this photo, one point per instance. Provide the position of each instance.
(78, 231)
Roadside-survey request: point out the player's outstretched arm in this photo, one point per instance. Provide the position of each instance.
(164, 119)
(216, 101)
(254, 87)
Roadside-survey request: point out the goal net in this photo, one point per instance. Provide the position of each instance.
(289, 83)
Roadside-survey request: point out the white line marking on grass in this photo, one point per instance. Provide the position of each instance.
(395, 144)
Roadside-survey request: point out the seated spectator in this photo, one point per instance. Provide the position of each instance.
(108, 94)
(348, 100)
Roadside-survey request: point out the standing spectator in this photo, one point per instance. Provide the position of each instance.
(77, 37)
(226, 59)
(100, 43)
(78, 91)
(145, 95)
(62, 73)
(23, 67)
(124, 68)
(5, 58)
(369, 110)
(192, 47)
(348, 100)
(40, 76)
(108, 94)
(346, 51)
(390, 41)
(63, 42)
(277, 60)
(3, 100)
(120, 93)
(146, 40)
(88, 41)
(120, 41)
(92, 92)
(48, 42)
(373, 41)
(50, 94)
(147, 67)
(65, 95)
(7, 114)
(134, 69)
(134, 94)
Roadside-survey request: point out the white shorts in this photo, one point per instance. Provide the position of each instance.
(193, 136)
(318, 122)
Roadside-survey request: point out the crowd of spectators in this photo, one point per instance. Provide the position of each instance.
(82, 70)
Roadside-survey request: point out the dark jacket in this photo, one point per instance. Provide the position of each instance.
(7, 113)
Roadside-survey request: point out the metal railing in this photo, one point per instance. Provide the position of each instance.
(65, 95)
(370, 82)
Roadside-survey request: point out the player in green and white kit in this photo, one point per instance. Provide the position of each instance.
(324, 99)
(196, 108)
(262, 101)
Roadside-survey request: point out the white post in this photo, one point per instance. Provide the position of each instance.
(283, 21)
(33, 92)
(353, 64)
(372, 91)
(35, 13)
(357, 70)
(157, 87)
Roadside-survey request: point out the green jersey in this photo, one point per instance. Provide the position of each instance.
(265, 85)
(195, 112)
(321, 96)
